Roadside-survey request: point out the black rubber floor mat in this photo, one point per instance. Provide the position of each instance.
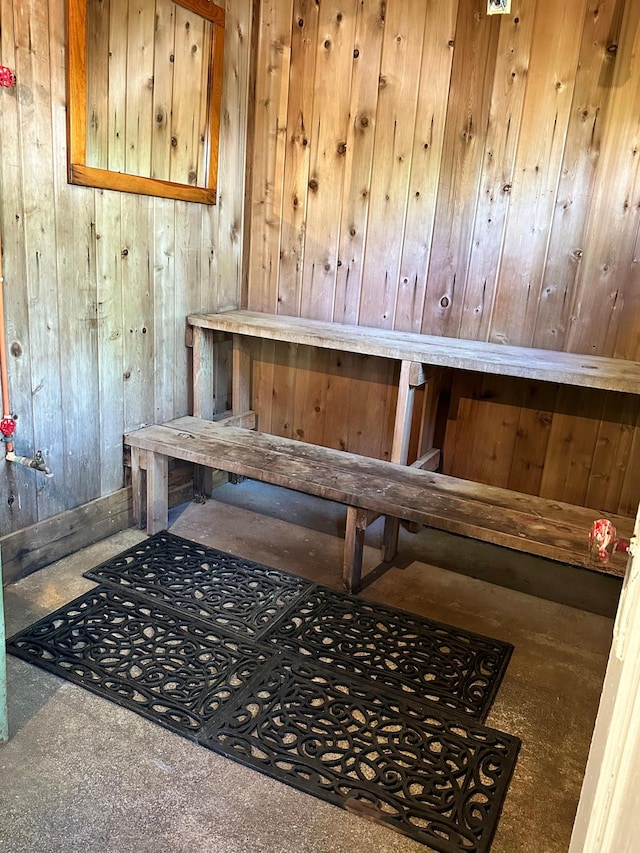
(433, 776)
(402, 651)
(175, 671)
(321, 690)
(222, 588)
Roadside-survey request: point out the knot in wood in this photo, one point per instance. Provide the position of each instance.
(342, 148)
(313, 184)
(506, 188)
(444, 302)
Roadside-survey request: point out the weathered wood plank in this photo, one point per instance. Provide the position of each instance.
(548, 528)
(551, 79)
(370, 22)
(572, 442)
(272, 90)
(188, 291)
(603, 276)
(474, 59)
(225, 225)
(111, 334)
(168, 350)
(613, 457)
(263, 384)
(426, 159)
(494, 191)
(392, 158)
(163, 89)
(534, 425)
(481, 356)
(188, 124)
(139, 92)
(327, 142)
(302, 78)
(97, 119)
(44, 83)
(588, 118)
(138, 308)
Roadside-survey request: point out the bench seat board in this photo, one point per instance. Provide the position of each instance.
(525, 362)
(550, 529)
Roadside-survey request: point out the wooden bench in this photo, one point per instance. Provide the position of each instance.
(422, 360)
(368, 487)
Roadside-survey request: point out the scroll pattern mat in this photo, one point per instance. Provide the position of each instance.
(373, 709)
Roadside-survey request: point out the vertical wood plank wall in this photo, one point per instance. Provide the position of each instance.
(414, 164)
(98, 283)
(423, 166)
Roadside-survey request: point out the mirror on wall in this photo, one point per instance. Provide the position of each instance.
(144, 85)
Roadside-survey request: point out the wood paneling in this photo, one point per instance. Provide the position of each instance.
(488, 189)
(412, 164)
(98, 283)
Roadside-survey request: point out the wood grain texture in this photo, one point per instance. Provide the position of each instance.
(304, 39)
(327, 143)
(356, 189)
(482, 356)
(551, 81)
(477, 199)
(86, 270)
(551, 529)
(400, 68)
(473, 69)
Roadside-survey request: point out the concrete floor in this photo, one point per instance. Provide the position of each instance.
(81, 774)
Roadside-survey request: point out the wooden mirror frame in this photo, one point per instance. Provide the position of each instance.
(89, 176)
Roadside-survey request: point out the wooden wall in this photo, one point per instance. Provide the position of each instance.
(422, 166)
(413, 164)
(98, 283)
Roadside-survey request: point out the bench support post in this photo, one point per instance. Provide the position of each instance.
(390, 538)
(138, 467)
(203, 362)
(157, 492)
(357, 521)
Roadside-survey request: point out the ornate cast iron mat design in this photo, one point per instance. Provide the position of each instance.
(321, 690)
(172, 669)
(404, 652)
(232, 592)
(437, 777)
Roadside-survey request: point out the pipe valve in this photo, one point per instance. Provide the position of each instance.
(7, 428)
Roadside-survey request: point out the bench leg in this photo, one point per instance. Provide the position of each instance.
(138, 466)
(202, 483)
(357, 520)
(157, 492)
(390, 538)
